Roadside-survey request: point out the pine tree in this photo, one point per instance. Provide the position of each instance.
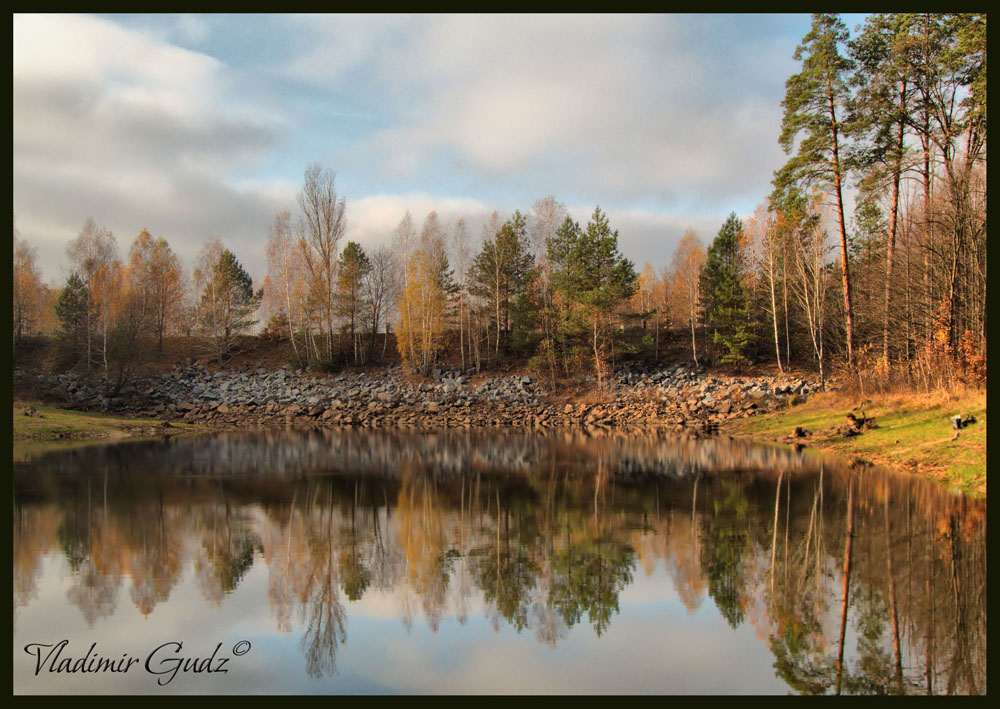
(815, 104)
(352, 268)
(725, 303)
(885, 98)
(501, 273)
(227, 304)
(589, 271)
(71, 309)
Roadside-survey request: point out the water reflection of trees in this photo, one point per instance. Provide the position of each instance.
(917, 579)
(857, 582)
(226, 550)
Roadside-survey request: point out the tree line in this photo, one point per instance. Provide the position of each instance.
(897, 291)
(897, 111)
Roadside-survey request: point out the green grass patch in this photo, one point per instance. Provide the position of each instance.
(52, 424)
(913, 432)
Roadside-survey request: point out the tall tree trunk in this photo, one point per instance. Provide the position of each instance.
(893, 613)
(104, 342)
(90, 306)
(291, 326)
(909, 307)
(893, 218)
(784, 290)
(694, 346)
(928, 308)
(847, 579)
(844, 266)
(461, 329)
(597, 358)
(496, 350)
(952, 290)
(774, 535)
(161, 323)
(774, 312)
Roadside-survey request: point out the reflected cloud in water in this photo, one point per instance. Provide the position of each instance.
(544, 538)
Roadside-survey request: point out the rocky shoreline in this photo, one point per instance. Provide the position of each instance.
(677, 397)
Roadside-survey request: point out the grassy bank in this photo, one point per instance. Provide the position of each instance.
(913, 432)
(47, 426)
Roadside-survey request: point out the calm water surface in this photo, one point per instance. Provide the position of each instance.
(344, 562)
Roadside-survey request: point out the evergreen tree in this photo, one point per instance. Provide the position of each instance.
(501, 273)
(227, 303)
(589, 271)
(352, 268)
(816, 106)
(725, 302)
(880, 113)
(71, 309)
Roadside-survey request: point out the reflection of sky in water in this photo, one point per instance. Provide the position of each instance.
(652, 645)
(700, 581)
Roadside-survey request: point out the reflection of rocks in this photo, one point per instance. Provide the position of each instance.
(673, 397)
(291, 453)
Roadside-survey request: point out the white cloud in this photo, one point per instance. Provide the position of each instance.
(617, 107)
(137, 133)
(336, 44)
(676, 114)
(192, 28)
(371, 220)
(72, 48)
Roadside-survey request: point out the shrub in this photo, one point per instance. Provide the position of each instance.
(276, 329)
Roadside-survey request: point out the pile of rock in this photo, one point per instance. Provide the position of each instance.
(674, 397)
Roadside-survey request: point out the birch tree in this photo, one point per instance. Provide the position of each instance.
(379, 286)
(286, 273)
(815, 106)
(404, 243)
(93, 250)
(462, 259)
(321, 226)
(27, 290)
(688, 260)
(764, 238)
(156, 279)
(811, 251)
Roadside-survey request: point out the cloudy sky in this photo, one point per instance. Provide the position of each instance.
(198, 126)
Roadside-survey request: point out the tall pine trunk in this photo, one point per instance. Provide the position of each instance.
(849, 538)
(893, 219)
(844, 265)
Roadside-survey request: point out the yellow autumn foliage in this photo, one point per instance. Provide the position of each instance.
(421, 312)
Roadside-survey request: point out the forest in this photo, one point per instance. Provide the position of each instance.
(887, 291)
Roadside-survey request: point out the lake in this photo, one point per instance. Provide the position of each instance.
(307, 562)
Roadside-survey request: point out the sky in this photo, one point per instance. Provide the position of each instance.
(193, 126)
